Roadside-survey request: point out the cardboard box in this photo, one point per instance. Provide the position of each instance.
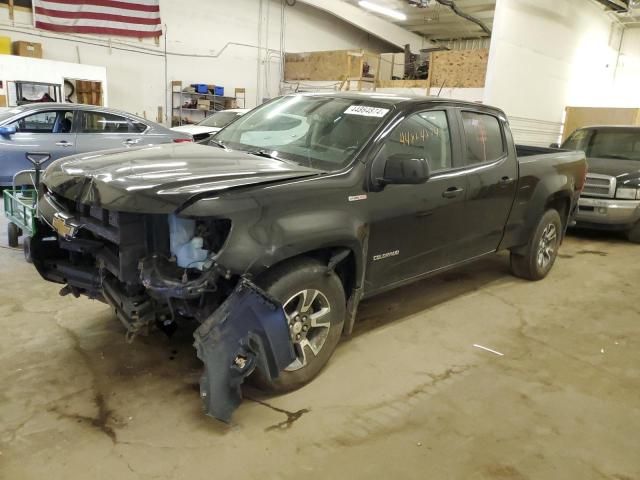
(27, 49)
(5, 45)
(204, 104)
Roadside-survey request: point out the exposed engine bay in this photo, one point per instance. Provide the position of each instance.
(159, 270)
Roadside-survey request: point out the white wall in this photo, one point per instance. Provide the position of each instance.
(203, 40)
(627, 76)
(549, 54)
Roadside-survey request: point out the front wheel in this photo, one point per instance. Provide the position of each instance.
(541, 251)
(315, 306)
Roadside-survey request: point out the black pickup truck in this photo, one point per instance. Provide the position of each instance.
(270, 237)
(611, 196)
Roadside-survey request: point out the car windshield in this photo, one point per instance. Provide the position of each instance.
(312, 130)
(219, 119)
(617, 144)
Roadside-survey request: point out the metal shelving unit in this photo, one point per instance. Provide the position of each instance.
(177, 107)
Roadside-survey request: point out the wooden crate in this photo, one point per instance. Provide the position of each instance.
(459, 68)
(326, 65)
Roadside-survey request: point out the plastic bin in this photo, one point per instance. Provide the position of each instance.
(200, 87)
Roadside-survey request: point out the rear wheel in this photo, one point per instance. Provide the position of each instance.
(13, 232)
(315, 306)
(541, 251)
(634, 234)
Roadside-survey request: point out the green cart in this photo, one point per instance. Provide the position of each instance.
(21, 203)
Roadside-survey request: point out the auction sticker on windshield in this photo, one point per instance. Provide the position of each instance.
(366, 111)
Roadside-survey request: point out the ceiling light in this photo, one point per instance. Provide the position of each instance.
(389, 12)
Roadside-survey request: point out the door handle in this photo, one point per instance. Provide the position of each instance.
(506, 180)
(131, 141)
(452, 192)
(64, 143)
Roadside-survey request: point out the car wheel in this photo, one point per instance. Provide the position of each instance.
(26, 248)
(13, 232)
(634, 234)
(541, 251)
(315, 306)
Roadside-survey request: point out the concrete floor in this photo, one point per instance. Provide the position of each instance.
(409, 395)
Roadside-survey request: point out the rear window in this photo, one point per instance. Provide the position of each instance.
(483, 136)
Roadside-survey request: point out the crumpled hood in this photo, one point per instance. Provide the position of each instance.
(161, 178)
(627, 172)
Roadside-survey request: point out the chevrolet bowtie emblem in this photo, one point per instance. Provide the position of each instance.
(61, 225)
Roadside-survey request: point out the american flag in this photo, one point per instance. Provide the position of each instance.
(133, 18)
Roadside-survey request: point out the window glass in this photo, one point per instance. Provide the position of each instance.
(423, 135)
(56, 121)
(138, 127)
(621, 145)
(41, 122)
(483, 137)
(577, 140)
(311, 130)
(100, 122)
(219, 119)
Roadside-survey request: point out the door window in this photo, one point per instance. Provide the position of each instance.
(483, 136)
(101, 122)
(58, 121)
(138, 127)
(425, 135)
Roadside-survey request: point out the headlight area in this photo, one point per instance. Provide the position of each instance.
(154, 270)
(189, 281)
(625, 193)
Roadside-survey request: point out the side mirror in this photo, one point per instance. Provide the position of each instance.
(404, 169)
(7, 131)
(554, 145)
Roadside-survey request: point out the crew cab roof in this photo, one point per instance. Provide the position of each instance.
(396, 99)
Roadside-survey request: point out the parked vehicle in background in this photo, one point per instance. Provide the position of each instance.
(63, 129)
(202, 130)
(611, 197)
(271, 247)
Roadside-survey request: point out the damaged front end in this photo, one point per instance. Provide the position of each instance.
(161, 270)
(248, 331)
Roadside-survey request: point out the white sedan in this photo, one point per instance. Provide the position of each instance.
(212, 124)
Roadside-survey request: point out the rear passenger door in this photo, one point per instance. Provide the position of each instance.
(100, 130)
(492, 174)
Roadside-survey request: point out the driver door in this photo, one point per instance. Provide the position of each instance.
(47, 131)
(416, 229)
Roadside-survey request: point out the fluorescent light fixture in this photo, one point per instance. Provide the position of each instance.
(389, 12)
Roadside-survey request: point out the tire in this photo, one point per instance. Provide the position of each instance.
(26, 248)
(634, 234)
(287, 284)
(541, 251)
(13, 232)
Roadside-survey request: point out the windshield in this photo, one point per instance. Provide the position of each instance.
(618, 144)
(315, 131)
(219, 119)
